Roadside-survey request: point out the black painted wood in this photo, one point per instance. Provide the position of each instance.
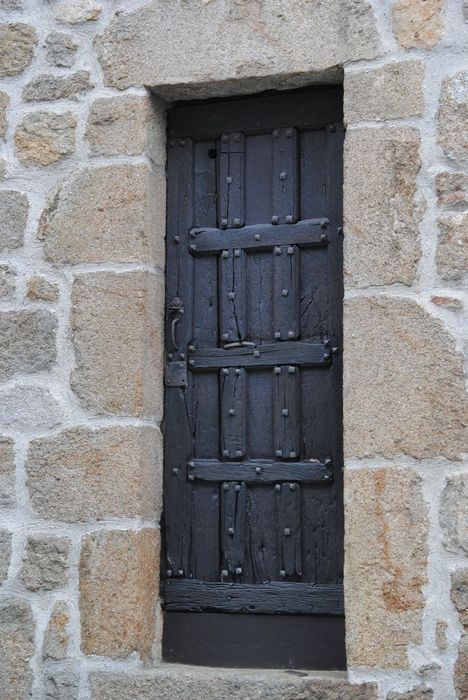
(312, 232)
(272, 598)
(261, 471)
(253, 434)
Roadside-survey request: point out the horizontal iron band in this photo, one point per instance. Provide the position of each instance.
(182, 595)
(262, 471)
(305, 233)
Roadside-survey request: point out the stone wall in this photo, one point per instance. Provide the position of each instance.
(82, 190)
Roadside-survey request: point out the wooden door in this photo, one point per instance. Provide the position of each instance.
(253, 515)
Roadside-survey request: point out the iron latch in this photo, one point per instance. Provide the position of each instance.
(176, 374)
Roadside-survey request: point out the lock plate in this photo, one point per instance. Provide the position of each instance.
(176, 374)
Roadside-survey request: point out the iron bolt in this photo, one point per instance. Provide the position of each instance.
(231, 530)
(182, 142)
(180, 572)
(291, 370)
(225, 370)
(225, 487)
(274, 219)
(290, 250)
(275, 134)
(182, 355)
(277, 487)
(290, 334)
(282, 573)
(238, 569)
(238, 453)
(278, 453)
(287, 531)
(231, 295)
(224, 572)
(224, 222)
(277, 250)
(191, 477)
(284, 292)
(292, 487)
(192, 363)
(226, 454)
(232, 412)
(258, 470)
(289, 133)
(277, 334)
(238, 371)
(229, 180)
(289, 219)
(277, 370)
(176, 239)
(191, 348)
(175, 470)
(237, 488)
(257, 236)
(292, 454)
(285, 412)
(237, 253)
(192, 246)
(283, 176)
(225, 254)
(256, 353)
(237, 222)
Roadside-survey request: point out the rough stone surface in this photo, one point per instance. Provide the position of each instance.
(41, 289)
(57, 87)
(28, 407)
(61, 685)
(421, 692)
(219, 684)
(454, 514)
(14, 208)
(56, 636)
(453, 117)
(115, 372)
(394, 343)
(418, 23)
(106, 214)
(61, 49)
(447, 302)
(385, 567)
(118, 592)
(9, 5)
(83, 474)
(28, 341)
(16, 648)
(3, 169)
(4, 102)
(381, 166)
(461, 669)
(17, 42)
(77, 11)
(255, 41)
(7, 472)
(7, 283)
(459, 594)
(441, 634)
(452, 190)
(452, 249)
(389, 92)
(5, 553)
(122, 125)
(45, 563)
(44, 138)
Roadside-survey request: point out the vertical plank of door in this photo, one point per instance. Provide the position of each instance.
(286, 412)
(286, 292)
(231, 183)
(233, 418)
(233, 526)
(232, 279)
(285, 173)
(289, 525)
(178, 400)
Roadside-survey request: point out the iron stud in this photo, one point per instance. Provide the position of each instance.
(284, 292)
(175, 471)
(192, 234)
(170, 355)
(225, 254)
(225, 370)
(282, 573)
(277, 370)
(224, 222)
(256, 353)
(291, 369)
(232, 412)
(182, 142)
(290, 250)
(224, 572)
(331, 128)
(191, 477)
(277, 334)
(274, 219)
(171, 145)
(237, 223)
(237, 253)
(292, 487)
(289, 132)
(229, 180)
(289, 219)
(328, 462)
(225, 336)
(182, 355)
(290, 334)
(231, 530)
(323, 237)
(324, 223)
(191, 465)
(277, 487)
(238, 453)
(224, 137)
(257, 236)
(275, 134)
(169, 573)
(191, 348)
(226, 454)
(327, 477)
(180, 572)
(283, 176)
(225, 487)
(238, 371)
(237, 488)
(285, 412)
(238, 570)
(236, 138)
(292, 454)
(287, 531)
(191, 363)
(278, 453)
(258, 470)
(192, 246)
(176, 239)
(231, 295)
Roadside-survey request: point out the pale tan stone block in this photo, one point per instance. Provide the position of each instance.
(16, 648)
(57, 636)
(452, 117)
(459, 594)
(61, 683)
(165, 683)
(381, 211)
(114, 213)
(418, 23)
(7, 472)
(441, 634)
(17, 42)
(454, 514)
(420, 692)
(117, 335)
(5, 553)
(28, 341)
(83, 474)
(4, 103)
(118, 592)
(252, 43)
(41, 289)
(61, 49)
(14, 209)
(385, 565)
(45, 563)
(57, 87)
(126, 125)
(43, 138)
(452, 190)
(461, 669)
(7, 282)
(77, 11)
(389, 92)
(403, 382)
(452, 248)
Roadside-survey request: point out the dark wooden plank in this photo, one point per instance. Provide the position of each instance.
(285, 183)
(261, 471)
(289, 529)
(301, 354)
(312, 232)
(233, 528)
(286, 292)
(263, 550)
(233, 419)
(257, 114)
(232, 287)
(204, 551)
(258, 166)
(287, 598)
(231, 180)
(286, 411)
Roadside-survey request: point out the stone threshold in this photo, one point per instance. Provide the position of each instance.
(181, 682)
